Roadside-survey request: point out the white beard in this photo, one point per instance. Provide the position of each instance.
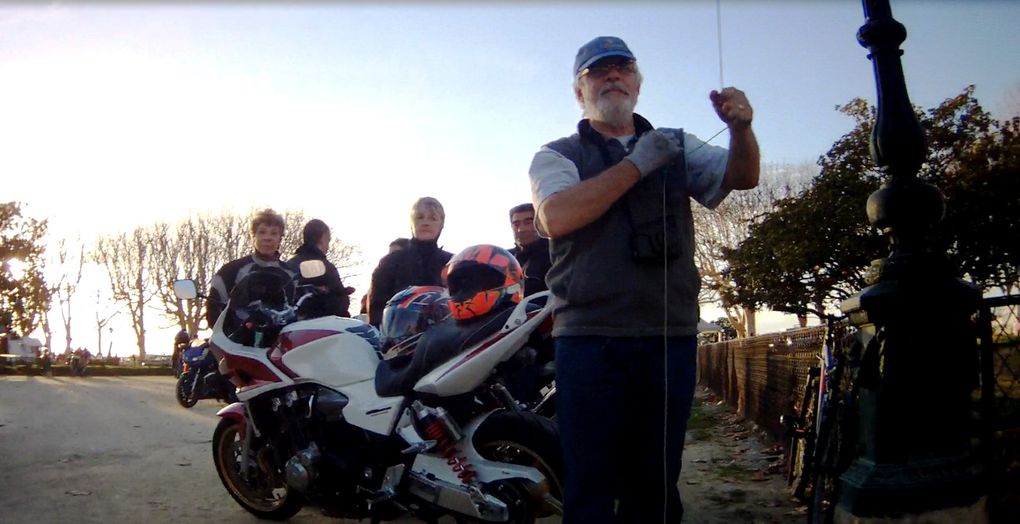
(614, 111)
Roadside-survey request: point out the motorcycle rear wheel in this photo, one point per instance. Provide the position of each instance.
(524, 439)
(264, 493)
(183, 390)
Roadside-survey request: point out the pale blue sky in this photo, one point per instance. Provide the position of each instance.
(115, 114)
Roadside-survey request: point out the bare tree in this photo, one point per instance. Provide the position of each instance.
(197, 247)
(47, 329)
(126, 258)
(343, 255)
(728, 225)
(71, 266)
(102, 319)
(188, 250)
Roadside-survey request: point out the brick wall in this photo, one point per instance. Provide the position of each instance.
(761, 377)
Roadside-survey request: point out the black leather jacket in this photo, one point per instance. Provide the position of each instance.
(535, 262)
(420, 264)
(335, 300)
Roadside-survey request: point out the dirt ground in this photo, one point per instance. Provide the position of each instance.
(731, 473)
(120, 449)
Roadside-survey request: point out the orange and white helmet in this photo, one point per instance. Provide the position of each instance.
(481, 278)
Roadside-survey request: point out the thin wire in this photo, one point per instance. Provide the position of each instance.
(705, 143)
(665, 358)
(665, 293)
(718, 33)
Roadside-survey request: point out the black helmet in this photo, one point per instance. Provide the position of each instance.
(408, 314)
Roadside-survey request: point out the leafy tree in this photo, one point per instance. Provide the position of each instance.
(24, 295)
(975, 161)
(814, 249)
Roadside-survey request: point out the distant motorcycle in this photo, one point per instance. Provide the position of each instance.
(201, 379)
(77, 363)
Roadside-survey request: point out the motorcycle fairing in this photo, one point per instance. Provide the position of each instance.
(251, 361)
(237, 413)
(469, 369)
(260, 387)
(337, 359)
(369, 411)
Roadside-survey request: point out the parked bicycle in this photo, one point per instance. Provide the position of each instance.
(821, 435)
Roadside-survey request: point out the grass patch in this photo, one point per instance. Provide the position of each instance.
(731, 471)
(701, 421)
(100, 370)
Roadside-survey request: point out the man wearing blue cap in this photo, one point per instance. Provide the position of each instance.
(614, 200)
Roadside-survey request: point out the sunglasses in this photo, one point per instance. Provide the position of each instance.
(602, 70)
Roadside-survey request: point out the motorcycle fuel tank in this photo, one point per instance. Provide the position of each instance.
(332, 350)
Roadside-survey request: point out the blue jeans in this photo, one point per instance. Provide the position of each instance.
(611, 406)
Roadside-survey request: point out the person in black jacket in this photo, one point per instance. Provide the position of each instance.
(531, 250)
(420, 263)
(336, 299)
(267, 229)
(181, 342)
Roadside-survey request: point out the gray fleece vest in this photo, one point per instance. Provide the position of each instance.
(601, 287)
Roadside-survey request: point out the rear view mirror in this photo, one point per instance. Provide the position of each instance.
(312, 268)
(185, 289)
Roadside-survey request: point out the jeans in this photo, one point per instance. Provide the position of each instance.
(611, 406)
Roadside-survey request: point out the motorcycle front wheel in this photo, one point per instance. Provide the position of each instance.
(184, 390)
(525, 439)
(263, 492)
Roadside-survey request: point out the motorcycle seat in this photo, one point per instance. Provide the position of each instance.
(439, 344)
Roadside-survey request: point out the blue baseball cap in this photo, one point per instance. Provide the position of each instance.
(600, 47)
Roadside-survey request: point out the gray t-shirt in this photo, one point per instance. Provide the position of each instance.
(552, 172)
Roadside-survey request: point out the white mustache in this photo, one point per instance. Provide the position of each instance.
(614, 87)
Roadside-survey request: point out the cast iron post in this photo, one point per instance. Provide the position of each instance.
(920, 365)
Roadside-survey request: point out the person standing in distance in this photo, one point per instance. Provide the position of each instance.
(267, 228)
(614, 200)
(419, 263)
(531, 250)
(336, 299)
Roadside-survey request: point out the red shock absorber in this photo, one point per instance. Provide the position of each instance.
(440, 428)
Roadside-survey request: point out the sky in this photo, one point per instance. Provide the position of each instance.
(119, 114)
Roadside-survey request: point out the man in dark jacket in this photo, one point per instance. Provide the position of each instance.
(267, 229)
(336, 299)
(420, 263)
(531, 250)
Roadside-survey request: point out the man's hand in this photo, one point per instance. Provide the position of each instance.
(732, 107)
(653, 150)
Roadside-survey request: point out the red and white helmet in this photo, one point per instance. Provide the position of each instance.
(481, 278)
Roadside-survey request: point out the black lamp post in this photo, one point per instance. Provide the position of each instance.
(919, 369)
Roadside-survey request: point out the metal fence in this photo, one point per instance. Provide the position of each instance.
(999, 402)
(761, 377)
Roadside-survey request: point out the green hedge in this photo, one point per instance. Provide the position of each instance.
(99, 370)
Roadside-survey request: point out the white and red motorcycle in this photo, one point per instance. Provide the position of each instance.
(323, 419)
